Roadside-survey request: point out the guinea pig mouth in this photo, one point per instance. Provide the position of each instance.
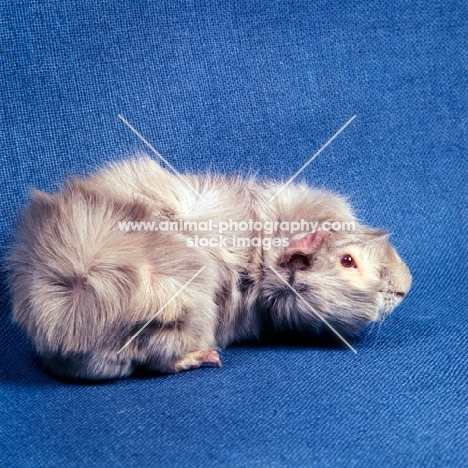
(388, 303)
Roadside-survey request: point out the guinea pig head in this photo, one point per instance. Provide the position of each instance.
(347, 278)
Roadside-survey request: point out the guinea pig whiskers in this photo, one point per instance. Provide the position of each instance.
(379, 322)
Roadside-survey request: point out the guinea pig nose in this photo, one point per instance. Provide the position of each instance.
(400, 295)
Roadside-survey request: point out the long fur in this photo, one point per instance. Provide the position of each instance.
(82, 287)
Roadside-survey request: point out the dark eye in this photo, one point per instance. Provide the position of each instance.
(347, 261)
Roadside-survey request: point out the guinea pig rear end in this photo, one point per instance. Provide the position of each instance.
(81, 288)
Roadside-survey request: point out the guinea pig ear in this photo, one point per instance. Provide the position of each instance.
(302, 247)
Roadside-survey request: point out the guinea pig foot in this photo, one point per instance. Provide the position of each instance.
(196, 359)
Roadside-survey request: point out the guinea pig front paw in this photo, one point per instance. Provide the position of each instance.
(196, 359)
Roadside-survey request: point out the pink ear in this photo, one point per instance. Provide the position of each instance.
(302, 247)
(310, 242)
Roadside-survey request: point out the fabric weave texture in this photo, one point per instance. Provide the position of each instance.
(253, 86)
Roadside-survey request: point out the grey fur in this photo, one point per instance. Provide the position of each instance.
(82, 287)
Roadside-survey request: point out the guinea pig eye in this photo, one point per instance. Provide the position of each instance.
(347, 261)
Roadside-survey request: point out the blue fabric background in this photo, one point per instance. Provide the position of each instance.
(254, 86)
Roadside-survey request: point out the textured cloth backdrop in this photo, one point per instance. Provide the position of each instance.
(255, 86)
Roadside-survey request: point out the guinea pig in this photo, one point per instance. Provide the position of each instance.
(136, 267)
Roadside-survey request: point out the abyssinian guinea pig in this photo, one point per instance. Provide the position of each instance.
(136, 267)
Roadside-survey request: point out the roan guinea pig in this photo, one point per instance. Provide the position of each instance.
(136, 267)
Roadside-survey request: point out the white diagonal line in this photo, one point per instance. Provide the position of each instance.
(151, 147)
(161, 309)
(313, 310)
(312, 158)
